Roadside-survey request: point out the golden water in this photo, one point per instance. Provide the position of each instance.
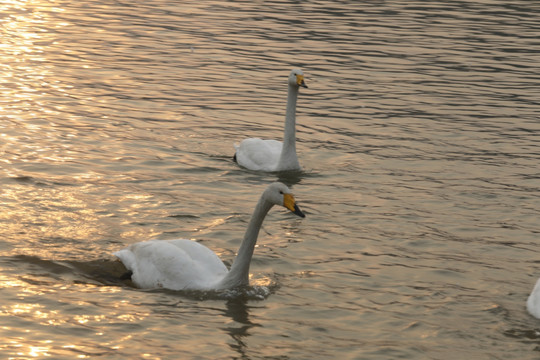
(418, 135)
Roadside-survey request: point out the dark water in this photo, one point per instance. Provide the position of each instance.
(419, 139)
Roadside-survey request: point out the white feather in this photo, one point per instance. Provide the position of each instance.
(533, 302)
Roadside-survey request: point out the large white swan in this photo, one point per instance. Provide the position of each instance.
(187, 265)
(533, 301)
(272, 155)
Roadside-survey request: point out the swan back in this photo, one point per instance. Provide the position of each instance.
(172, 264)
(258, 154)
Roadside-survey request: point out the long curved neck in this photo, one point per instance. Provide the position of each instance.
(288, 159)
(239, 273)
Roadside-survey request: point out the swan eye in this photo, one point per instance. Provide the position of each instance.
(281, 192)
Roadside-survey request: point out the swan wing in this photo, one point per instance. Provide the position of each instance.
(200, 254)
(172, 264)
(257, 154)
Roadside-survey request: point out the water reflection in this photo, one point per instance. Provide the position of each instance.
(99, 100)
(18, 342)
(25, 72)
(290, 178)
(37, 313)
(23, 349)
(27, 84)
(238, 311)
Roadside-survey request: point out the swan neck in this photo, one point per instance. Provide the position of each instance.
(239, 273)
(288, 158)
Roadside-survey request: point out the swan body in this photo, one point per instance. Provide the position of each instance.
(272, 155)
(158, 263)
(187, 265)
(533, 301)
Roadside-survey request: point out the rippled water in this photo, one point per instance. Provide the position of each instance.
(419, 138)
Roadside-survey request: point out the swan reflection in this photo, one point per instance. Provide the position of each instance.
(238, 311)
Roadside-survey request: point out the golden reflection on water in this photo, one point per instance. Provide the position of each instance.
(26, 32)
(43, 212)
(30, 142)
(22, 343)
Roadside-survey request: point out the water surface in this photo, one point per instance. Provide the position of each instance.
(418, 136)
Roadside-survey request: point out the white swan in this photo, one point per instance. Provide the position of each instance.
(187, 265)
(272, 155)
(533, 302)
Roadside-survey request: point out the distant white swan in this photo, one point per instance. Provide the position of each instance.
(533, 302)
(187, 265)
(272, 155)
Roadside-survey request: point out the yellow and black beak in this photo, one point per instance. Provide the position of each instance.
(289, 203)
(300, 81)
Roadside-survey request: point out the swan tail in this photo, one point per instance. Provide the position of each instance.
(127, 275)
(236, 147)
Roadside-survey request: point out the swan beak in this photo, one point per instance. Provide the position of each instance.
(300, 81)
(289, 203)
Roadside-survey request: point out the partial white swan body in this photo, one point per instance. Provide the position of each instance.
(172, 264)
(533, 302)
(272, 155)
(187, 265)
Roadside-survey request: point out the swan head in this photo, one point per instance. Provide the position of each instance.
(296, 78)
(279, 194)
